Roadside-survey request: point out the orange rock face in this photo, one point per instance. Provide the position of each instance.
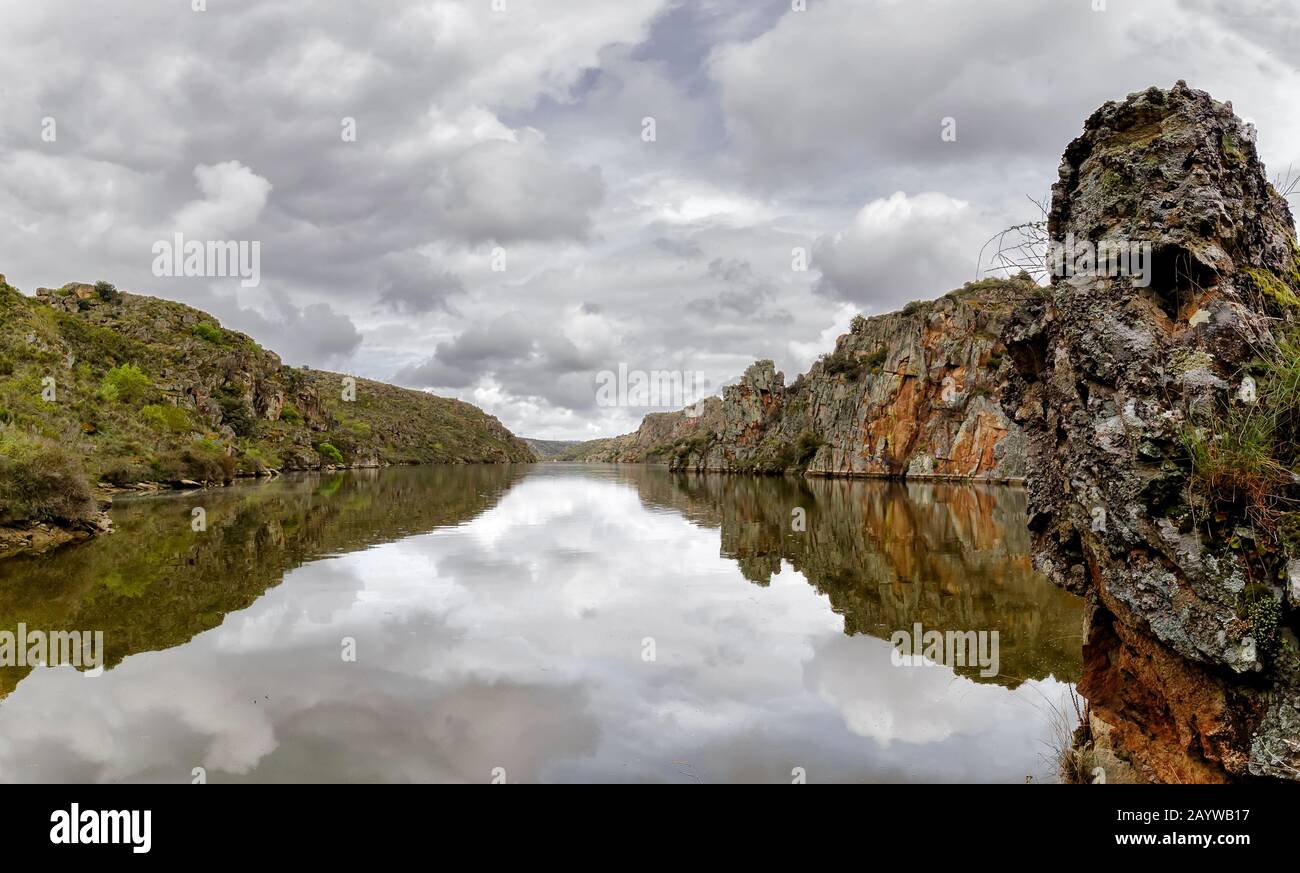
(911, 394)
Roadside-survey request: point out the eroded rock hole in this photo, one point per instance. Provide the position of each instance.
(1177, 278)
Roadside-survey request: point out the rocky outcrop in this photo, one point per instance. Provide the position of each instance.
(39, 537)
(909, 394)
(1127, 394)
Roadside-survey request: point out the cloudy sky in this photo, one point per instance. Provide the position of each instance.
(514, 133)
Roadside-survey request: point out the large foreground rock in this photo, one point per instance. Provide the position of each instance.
(1110, 377)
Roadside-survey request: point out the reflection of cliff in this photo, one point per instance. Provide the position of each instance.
(952, 557)
(156, 583)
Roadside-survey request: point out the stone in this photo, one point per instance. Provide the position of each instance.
(910, 394)
(1179, 678)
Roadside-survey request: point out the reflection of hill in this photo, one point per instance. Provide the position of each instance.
(952, 557)
(156, 584)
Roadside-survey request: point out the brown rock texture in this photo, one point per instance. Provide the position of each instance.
(37, 538)
(1110, 379)
(910, 394)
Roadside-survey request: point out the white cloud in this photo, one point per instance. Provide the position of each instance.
(233, 198)
(901, 248)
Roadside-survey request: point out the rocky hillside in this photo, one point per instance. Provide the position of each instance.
(912, 393)
(103, 387)
(1162, 423)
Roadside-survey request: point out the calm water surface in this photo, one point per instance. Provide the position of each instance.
(503, 617)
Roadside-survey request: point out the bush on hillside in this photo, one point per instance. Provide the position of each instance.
(41, 481)
(201, 461)
(210, 333)
(166, 418)
(125, 384)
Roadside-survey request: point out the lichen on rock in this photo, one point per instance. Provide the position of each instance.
(1111, 377)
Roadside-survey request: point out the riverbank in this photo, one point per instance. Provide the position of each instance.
(41, 537)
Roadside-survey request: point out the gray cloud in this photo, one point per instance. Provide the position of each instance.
(474, 129)
(410, 283)
(511, 351)
(311, 334)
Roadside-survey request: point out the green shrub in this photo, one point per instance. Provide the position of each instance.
(255, 460)
(842, 362)
(6, 365)
(806, 446)
(41, 481)
(169, 419)
(1264, 614)
(107, 292)
(209, 332)
(201, 461)
(1232, 459)
(1244, 457)
(127, 472)
(235, 414)
(125, 384)
(329, 453)
(91, 342)
(290, 414)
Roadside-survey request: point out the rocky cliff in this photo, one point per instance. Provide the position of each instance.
(912, 393)
(100, 386)
(1161, 423)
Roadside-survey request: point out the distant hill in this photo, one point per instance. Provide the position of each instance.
(124, 390)
(563, 450)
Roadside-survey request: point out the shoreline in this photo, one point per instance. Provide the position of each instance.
(1013, 481)
(39, 538)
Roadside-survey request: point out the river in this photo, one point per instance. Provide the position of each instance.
(546, 623)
